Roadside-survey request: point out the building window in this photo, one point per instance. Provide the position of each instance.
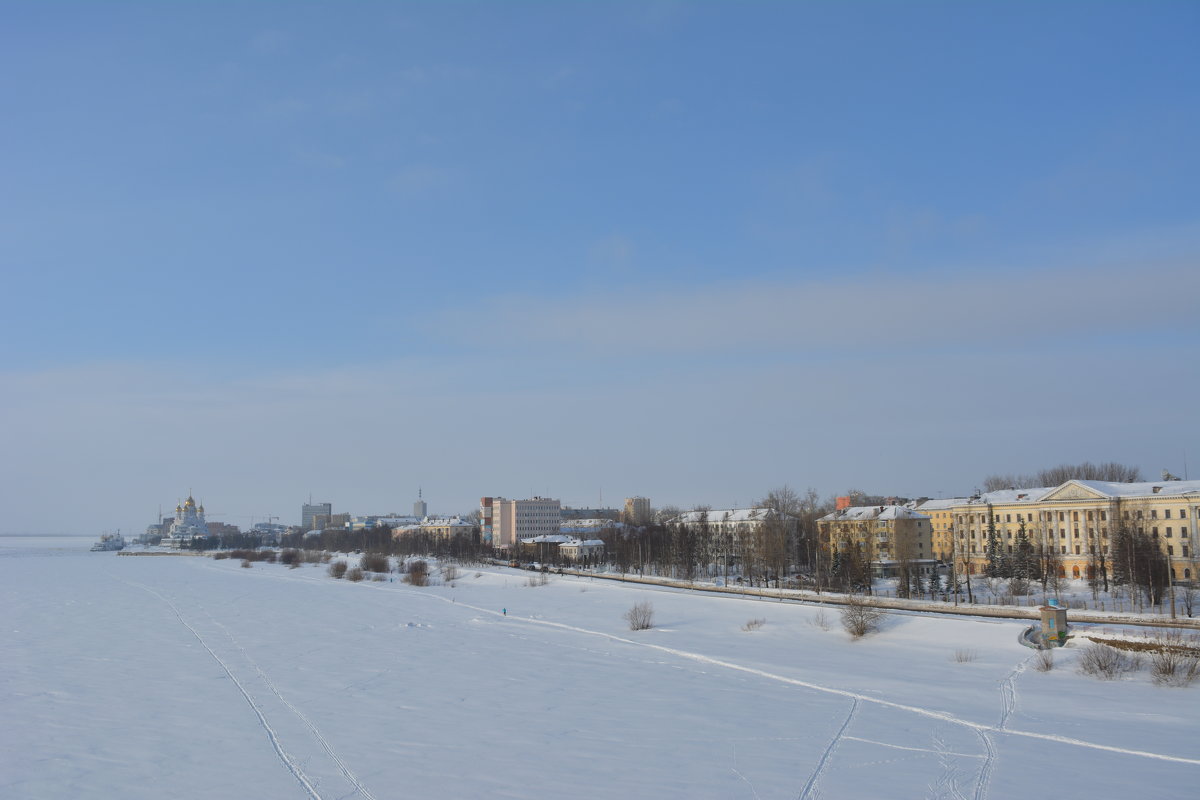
(1170, 550)
(1167, 514)
(1168, 533)
(1062, 549)
(1076, 549)
(1103, 516)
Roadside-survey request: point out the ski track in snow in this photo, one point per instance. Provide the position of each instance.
(284, 756)
(941, 716)
(1008, 704)
(270, 684)
(947, 782)
(733, 768)
(939, 747)
(812, 789)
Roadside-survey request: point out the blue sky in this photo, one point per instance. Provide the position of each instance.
(687, 250)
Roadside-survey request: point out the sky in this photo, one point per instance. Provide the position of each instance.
(691, 251)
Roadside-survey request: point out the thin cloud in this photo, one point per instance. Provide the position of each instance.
(851, 315)
(422, 180)
(271, 42)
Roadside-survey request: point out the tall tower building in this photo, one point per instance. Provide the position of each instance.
(637, 510)
(309, 513)
(420, 509)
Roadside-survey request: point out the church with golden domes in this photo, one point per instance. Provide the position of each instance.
(188, 524)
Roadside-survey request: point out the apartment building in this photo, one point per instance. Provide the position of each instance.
(1079, 520)
(883, 534)
(737, 522)
(637, 511)
(941, 525)
(503, 522)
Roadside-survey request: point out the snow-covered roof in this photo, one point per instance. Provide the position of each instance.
(873, 512)
(725, 515)
(445, 522)
(598, 524)
(1142, 489)
(392, 522)
(563, 540)
(1111, 489)
(1009, 496)
(941, 504)
(549, 538)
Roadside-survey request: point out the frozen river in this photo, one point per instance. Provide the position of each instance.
(132, 677)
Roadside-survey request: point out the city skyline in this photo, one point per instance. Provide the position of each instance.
(687, 251)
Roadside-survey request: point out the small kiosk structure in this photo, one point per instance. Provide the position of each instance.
(1054, 625)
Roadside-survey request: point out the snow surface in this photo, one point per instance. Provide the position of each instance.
(152, 677)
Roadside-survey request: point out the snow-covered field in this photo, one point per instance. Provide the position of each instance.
(156, 677)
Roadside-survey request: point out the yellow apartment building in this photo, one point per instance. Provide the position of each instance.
(883, 534)
(1077, 519)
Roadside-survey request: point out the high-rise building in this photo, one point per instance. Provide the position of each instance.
(502, 522)
(310, 511)
(637, 510)
(420, 509)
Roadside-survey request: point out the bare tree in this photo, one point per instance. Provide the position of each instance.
(785, 535)
(641, 616)
(1187, 596)
(994, 483)
(904, 551)
(666, 514)
(1087, 471)
(859, 617)
(1053, 476)
(782, 500)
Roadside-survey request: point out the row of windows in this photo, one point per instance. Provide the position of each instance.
(1169, 533)
(1046, 516)
(1091, 549)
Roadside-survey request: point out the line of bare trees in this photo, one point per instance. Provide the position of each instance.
(761, 554)
(1054, 476)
